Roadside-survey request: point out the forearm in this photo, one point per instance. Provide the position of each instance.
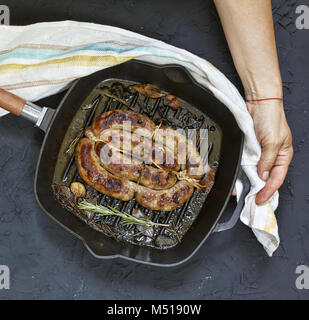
(248, 27)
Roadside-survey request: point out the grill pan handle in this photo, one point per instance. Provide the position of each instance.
(11, 103)
(236, 214)
(23, 108)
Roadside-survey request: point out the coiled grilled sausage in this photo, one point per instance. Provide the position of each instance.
(182, 147)
(89, 168)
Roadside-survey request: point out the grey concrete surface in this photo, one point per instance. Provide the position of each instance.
(46, 262)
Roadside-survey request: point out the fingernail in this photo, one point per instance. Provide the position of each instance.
(265, 175)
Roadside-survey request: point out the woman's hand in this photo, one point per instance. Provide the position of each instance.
(249, 30)
(274, 135)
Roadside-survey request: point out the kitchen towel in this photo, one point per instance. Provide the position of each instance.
(42, 59)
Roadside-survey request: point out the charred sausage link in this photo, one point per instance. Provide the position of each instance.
(116, 118)
(164, 200)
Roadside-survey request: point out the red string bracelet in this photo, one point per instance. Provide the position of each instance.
(265, 99)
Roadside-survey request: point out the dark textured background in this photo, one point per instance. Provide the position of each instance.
(47, 262)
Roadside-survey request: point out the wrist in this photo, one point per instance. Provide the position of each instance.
(264, 106)
(270, 90)
(262, 87)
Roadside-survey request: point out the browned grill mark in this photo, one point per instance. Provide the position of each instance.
(118, 117)
(179, 194)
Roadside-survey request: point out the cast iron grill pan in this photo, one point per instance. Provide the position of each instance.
(170, 78)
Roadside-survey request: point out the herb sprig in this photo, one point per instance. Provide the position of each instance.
(126, 217)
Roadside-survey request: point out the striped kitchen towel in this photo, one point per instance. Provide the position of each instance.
(42, 59)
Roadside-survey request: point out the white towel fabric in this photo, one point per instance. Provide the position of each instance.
(42, 59)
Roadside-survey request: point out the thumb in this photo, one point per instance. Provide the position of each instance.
(267, 160)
